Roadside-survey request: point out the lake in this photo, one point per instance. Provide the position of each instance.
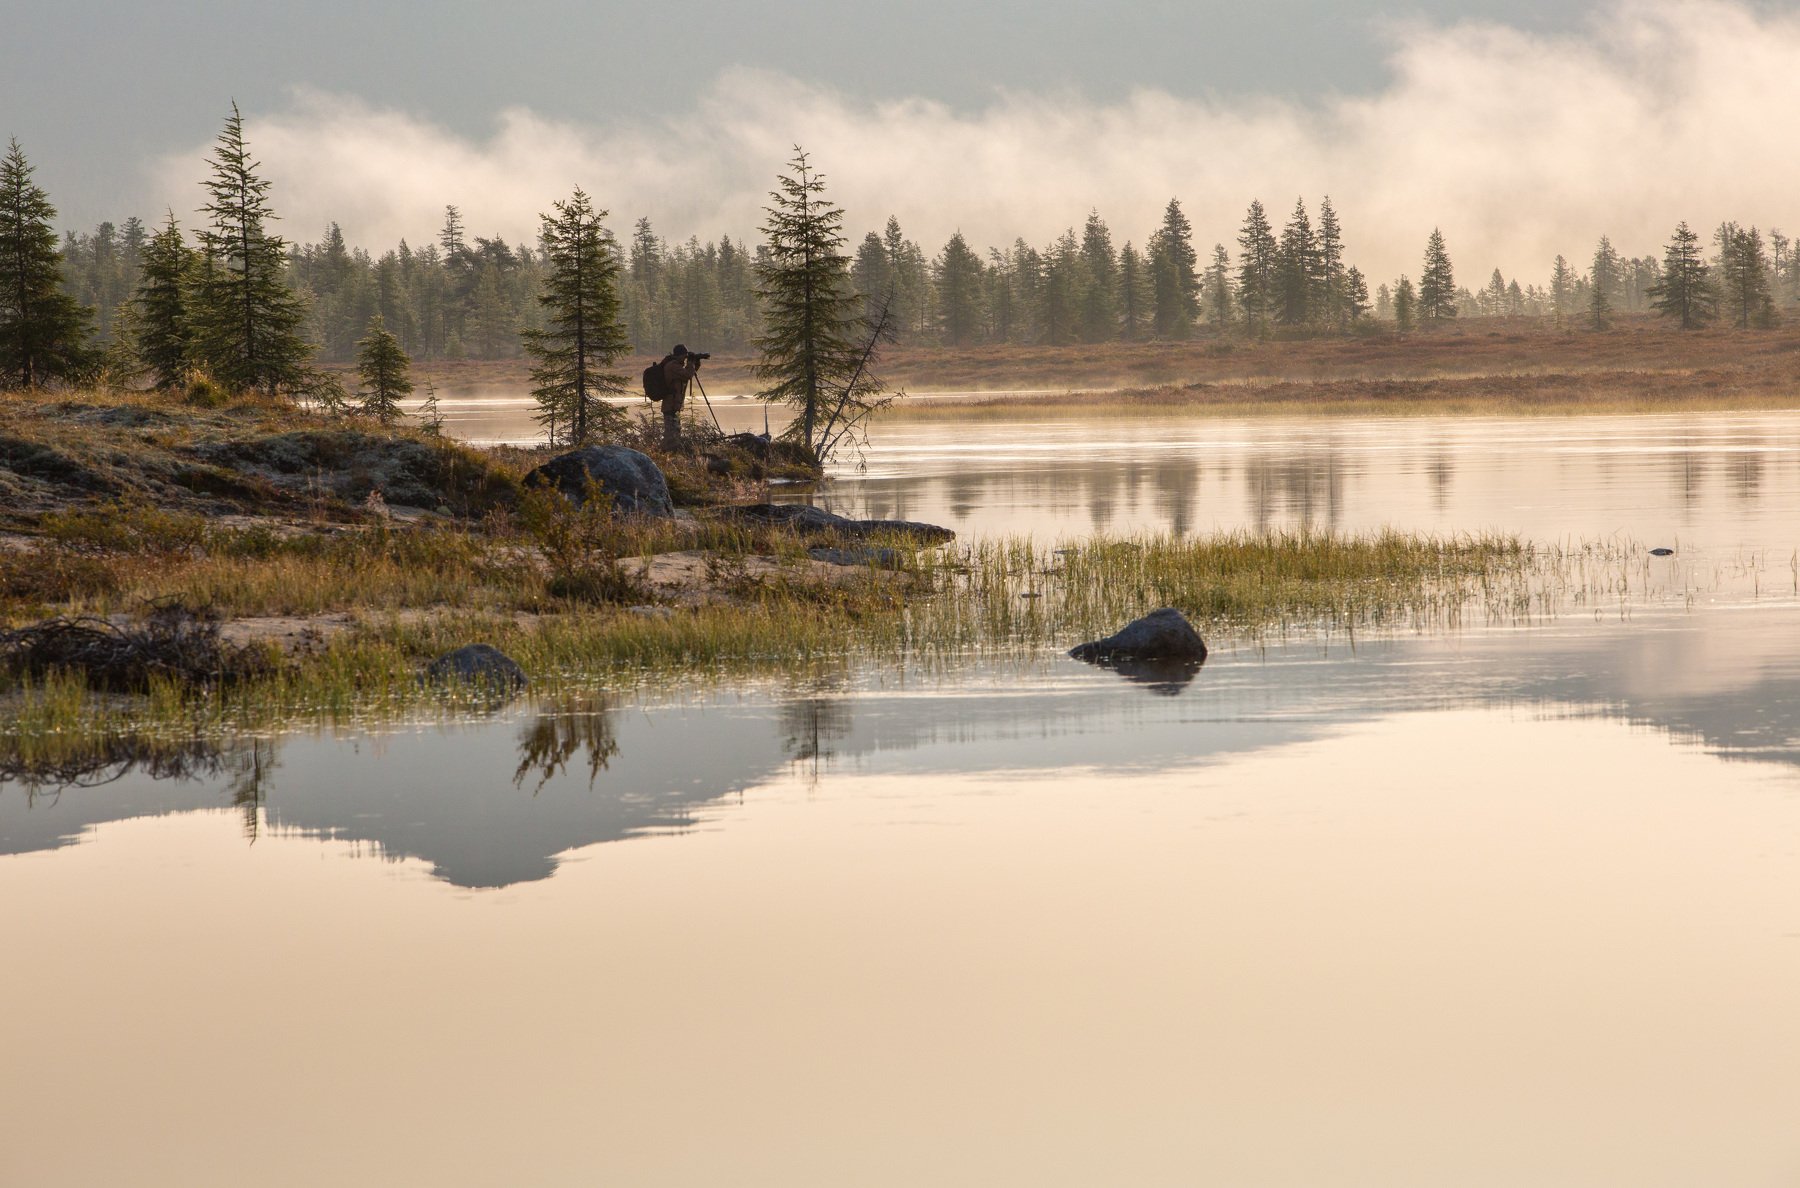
(1500, 906)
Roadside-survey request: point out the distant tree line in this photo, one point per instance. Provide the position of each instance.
(239, 303)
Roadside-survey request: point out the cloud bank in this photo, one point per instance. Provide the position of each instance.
(1519, 146)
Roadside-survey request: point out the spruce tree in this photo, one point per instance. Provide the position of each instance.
(247, 318)
(1298, 270)
(1173, 266)
(1562, 289)
(583, 335)
(1405, 305)
(959, 277)
(1333, 280)
(1257, 262)
(1100, 290)
(1437, 282)
(385, 372)
(1064, 283)
(1685, 290)
(1603, 284)
(163, 308)
(43, 330)
(1135, 294)
(872, 275)
(1493, 297)
(1219, 297)
(1354, 300)
(815, 347)
(1744, 269)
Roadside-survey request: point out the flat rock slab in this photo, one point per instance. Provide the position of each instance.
(880, 558)
(814, 521)
(1163, 635)
(636, 483)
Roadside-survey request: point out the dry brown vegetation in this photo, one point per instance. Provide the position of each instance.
(1468, 365)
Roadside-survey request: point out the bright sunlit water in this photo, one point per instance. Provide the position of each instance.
(1499, 907)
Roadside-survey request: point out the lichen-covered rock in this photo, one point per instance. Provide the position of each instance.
(477, 664)
(635, 483)
(1160, 635)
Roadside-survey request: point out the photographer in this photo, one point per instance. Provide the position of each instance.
(678, 368)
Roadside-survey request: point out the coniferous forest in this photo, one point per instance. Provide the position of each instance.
(458, 294)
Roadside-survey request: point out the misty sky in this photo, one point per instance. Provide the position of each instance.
(95, 89)
(1524, 126)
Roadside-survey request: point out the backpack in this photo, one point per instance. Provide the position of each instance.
(656, 381)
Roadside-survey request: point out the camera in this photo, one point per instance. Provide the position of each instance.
(699, 354)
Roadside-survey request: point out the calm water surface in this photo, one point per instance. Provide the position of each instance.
(1511, 906)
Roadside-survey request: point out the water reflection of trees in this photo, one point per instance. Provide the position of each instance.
(1306, 487)
(1687, 471)
(97, 762)
(549, 741)
(811, 722)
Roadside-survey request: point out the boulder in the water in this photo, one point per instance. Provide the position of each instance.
(634, 482)
(1160, 635)
(477, 664)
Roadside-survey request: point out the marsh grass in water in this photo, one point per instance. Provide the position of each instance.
(1008, 599)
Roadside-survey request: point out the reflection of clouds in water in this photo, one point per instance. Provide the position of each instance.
(495, 803)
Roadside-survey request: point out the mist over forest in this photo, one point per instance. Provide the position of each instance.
(1053, 221)
(1519, 145)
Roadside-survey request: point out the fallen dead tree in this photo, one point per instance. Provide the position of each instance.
(173, 642)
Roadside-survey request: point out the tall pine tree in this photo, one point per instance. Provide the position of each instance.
(1298, 270)
(1405, 305)
(1100, 293)
(1174, 274)
(163, 308)
(43, 330)
(1257, 270)
(1333, 279)
(815, 346)
(583, 333)
(1603, 284)
(1685, 290)
(959, 292)
(247, 318)
(1437, 281)
(1135, 295)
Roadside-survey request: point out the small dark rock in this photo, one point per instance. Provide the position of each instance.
(478, 664)
(1662, 552)
(636, 484)
(1160, 635)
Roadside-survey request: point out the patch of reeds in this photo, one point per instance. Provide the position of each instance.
(984, 599)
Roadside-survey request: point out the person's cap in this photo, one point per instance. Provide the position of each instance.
(680, 350)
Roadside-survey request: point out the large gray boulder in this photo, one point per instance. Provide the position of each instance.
(1163, 635)
(636, 484)
(477, 664)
